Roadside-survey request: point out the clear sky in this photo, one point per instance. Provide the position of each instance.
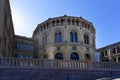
(104, 14)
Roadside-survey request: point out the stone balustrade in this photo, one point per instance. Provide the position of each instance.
(57, 64)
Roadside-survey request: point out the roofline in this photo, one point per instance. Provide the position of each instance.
(108, 46)
(23, 37)
(62, 17)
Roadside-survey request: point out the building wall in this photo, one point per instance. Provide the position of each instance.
(56, 74)
(6, 29)
(48, 48)
(110, 53)
(24, 47)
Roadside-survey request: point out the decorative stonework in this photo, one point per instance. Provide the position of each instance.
(65, 32)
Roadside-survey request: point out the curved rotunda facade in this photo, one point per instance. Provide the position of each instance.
(65, 38)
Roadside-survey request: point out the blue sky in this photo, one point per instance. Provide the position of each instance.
(104, 14)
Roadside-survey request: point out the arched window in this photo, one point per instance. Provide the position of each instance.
(68, 21)
(74, 56)
(53, 23)
(57, 22)
(59, 56)
(86, 39)
(62, 21)
(73, 22)
(73, 37)
(45, 39)
(77, 22)
(58, 37)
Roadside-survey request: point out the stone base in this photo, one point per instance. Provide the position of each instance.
(54, 74)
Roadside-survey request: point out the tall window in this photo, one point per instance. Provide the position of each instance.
(16, 56)
(86, 39)
(26, 47)
(58, 37)
(74, 56)
(31, 56)
(31, 47)
(59, 56)
(16, 45)
(45, 40)
(21, 46)
(73, 37)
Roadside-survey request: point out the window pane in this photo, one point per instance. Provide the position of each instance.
(16, 56)
(21, 46)
(75, 37)
(26, 47)
(87, 39)
(21, 56)
(71, 37)
(59, 56)
(31, 56)
(74, 56)
(60, 37)
(31, 47)
(17, 45)
(26, 56)
(56, 37)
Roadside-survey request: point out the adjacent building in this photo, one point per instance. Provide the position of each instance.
(6, 30)
(65, 38)
(110, 53)
(24, 47)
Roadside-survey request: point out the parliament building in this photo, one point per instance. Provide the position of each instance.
(62, 38)
(65, 38)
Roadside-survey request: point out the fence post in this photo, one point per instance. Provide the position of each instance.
(90, 65)
(46, 64)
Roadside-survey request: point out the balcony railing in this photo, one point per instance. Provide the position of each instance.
(58, 64)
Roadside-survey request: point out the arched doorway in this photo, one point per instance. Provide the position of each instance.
(59, 56)
(74, 56)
